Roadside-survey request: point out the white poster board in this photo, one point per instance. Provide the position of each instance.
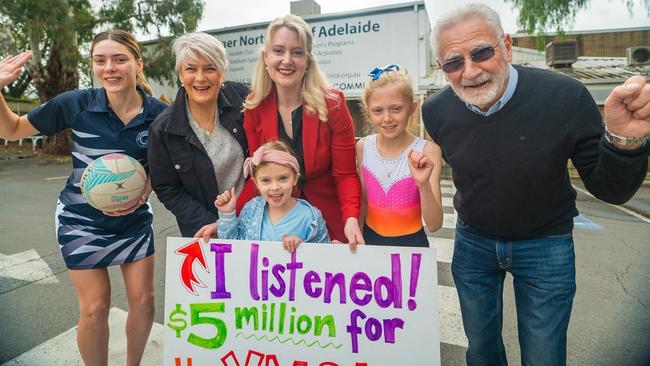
(230, 302)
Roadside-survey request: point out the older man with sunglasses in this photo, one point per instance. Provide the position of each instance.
(508, 132)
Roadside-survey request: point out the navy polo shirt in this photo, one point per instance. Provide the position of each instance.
(96, 131)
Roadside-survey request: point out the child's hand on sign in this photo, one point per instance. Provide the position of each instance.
(226, 201)
(290, 242)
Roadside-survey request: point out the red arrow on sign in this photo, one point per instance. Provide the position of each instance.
(192, 252)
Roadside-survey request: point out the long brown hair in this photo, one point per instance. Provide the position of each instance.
(127, 40)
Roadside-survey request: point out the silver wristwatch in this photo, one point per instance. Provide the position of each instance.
(624, 141)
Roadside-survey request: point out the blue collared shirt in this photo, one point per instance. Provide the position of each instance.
(507, 94)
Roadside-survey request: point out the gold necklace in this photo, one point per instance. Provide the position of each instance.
(206, 129)
(214, 125)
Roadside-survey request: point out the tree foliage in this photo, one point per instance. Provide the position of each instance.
(58, 32)
(172, 17)
(543, 15)
(18, 88)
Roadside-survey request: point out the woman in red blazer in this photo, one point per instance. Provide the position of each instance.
(291, 101)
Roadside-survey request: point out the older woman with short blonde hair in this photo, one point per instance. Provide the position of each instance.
(197, 146)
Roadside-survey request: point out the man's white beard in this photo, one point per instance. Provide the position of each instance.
(487, 95)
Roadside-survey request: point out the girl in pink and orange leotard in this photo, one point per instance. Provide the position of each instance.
(400, 173)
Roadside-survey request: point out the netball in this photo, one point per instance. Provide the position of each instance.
(113, 182)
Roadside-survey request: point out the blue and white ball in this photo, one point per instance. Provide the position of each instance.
(113, 182)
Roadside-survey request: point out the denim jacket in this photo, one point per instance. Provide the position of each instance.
(249, 224)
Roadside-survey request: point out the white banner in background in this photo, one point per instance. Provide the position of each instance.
(346, 48)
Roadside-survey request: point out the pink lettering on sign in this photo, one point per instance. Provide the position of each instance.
(230, 359)
(374, 329)
(272, 360)
(220, 251)
(256, 358)
(268, 280)
(179, 361)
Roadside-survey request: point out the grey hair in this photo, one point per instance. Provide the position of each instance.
(189, 47)
(462, 14)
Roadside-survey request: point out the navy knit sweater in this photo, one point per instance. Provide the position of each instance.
(510, 168)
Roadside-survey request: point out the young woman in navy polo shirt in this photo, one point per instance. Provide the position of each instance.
(114, 118)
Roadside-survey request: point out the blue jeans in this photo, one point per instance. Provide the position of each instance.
(543, 270)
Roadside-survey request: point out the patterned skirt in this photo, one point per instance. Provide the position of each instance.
(90, 239)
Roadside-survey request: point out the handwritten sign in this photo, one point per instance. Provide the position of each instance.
(241, 303)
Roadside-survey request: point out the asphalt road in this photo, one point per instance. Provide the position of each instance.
(610, 323)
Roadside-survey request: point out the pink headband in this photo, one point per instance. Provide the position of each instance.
(269, 156)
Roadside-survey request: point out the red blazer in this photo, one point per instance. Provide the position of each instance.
(331, 182)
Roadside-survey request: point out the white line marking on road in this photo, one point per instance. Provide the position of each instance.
(62, 349)
(26, 266)
(449, 220)
(444, 248)
(447, 190)
(624, 209)
(451, 322)
(57, 178)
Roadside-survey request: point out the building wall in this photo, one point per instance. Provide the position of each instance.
(347, 46)
(304, 7)
(609, 44)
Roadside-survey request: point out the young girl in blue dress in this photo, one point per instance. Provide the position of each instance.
(275, 215)
(399, 172)
(114, 118)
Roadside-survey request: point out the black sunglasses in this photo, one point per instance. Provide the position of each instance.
(478, 55)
